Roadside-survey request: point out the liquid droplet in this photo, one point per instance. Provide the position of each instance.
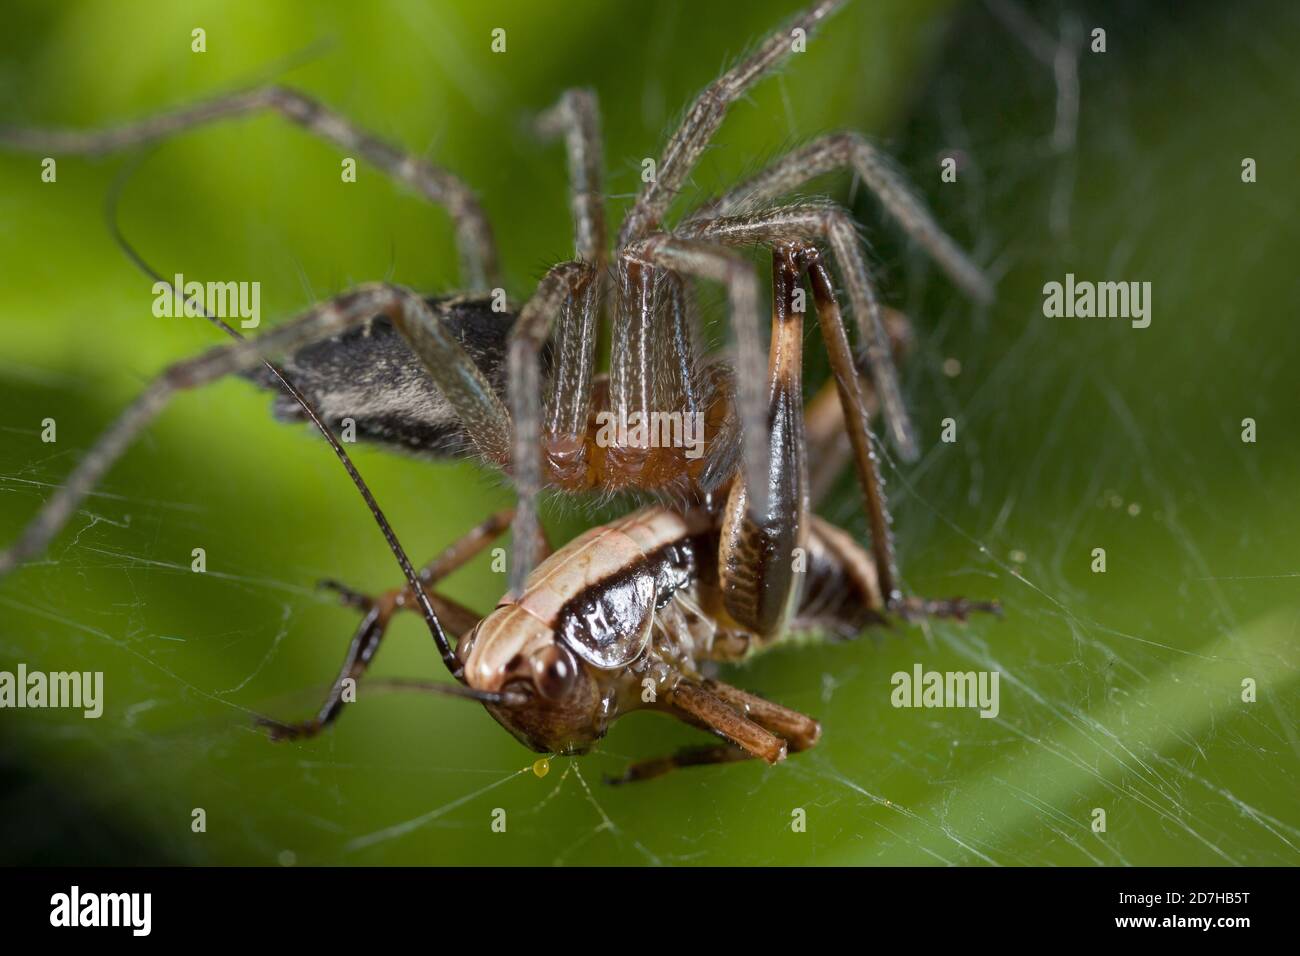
(542, 766)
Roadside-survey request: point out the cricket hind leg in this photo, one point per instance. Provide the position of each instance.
(758, 572)
(378, 614)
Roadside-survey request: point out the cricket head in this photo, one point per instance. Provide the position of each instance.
(553, 702)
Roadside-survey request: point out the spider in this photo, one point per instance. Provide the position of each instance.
(431, 374)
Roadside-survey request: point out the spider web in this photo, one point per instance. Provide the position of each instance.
(1120, 691)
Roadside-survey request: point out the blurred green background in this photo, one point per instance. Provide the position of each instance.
(1120, 691)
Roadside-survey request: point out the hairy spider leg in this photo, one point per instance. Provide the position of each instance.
(576, 118)
(705, 116)
(563, 292)
(850, 149)
(476, 246)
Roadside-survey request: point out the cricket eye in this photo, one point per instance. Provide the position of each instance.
(554, 672)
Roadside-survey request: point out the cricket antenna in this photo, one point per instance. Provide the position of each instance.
(505, 698)
(426, 608)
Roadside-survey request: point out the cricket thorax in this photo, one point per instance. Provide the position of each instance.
(597, 619)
